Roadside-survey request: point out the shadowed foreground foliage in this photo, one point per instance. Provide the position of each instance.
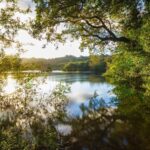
(27, 121)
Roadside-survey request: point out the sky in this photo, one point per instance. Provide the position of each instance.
(35, 49)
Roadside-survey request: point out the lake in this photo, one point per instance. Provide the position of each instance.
(85, 123)
(83, 86)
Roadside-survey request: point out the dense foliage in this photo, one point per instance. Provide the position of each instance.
(11, 24)
(78, 66)
(54, 64)
(119, 25)
(25, 121)
(35, 64)
(123, 26)
(95, 64)
(9, 63)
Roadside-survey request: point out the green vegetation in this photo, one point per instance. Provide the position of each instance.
(22, 126)
(54, 64)
(77, 66)
(9, 63)
(58, 63)
(10, 25)
(95, 64)
(123, 27)
(35, 64)
(98, 64)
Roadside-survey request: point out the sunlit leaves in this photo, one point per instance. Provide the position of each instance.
(10, 23)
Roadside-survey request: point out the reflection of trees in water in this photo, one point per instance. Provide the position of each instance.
(92, 130)
(28, 123)
(96, 78)
(125, 127)
(27, 120)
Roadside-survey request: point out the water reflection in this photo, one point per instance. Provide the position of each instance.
(92, 124)
(82, 87)
(125, 127)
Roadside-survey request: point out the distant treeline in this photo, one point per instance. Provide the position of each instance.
(97, 64)
(54, 64)
(9, 63)
(93, 63)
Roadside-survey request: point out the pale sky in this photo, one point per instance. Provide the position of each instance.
(70, 48)
(35, 49)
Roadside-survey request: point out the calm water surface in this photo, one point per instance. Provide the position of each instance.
(83, 86)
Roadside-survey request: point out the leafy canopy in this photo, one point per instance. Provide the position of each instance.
(97, 23)
(11, 23)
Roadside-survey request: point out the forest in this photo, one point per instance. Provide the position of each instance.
(33, 121)
(96, 64)
(54, 64)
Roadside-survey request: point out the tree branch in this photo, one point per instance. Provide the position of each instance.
(93, 26)
(107, 38)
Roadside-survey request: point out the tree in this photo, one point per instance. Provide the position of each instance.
(98, 63)
(10, 24)
(119, 25)
(122, 26)
(31, 127)
(97, 23)
(76, 66)
(10, 63)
